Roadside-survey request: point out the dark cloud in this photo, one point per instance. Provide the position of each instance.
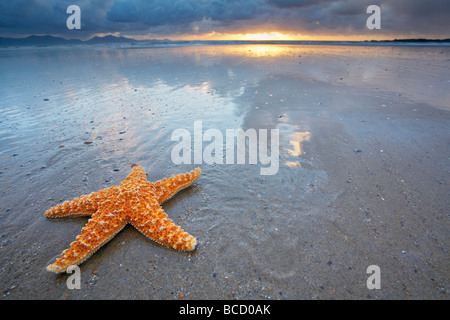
(24, 17)
(416, 8)
(168, 17)
(348, 8)
(154, 13)
(295, 3)
(163, 12)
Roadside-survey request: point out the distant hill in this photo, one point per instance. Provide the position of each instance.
(110, 39)
(419, 40)
(51, 40)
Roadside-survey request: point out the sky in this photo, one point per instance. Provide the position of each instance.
(228, 19)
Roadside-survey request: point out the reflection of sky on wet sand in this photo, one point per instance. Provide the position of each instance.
(297, 139)
(151, 92)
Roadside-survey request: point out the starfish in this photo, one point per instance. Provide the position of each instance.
(136, 201)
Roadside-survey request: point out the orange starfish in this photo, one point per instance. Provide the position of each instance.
(135, 201)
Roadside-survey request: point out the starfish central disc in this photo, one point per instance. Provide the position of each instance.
(136, 201)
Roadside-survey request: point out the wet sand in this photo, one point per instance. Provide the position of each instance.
(363, 177)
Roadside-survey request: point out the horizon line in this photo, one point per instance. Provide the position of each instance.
(223, 40)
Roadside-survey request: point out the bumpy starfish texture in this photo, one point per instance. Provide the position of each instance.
(136, 201)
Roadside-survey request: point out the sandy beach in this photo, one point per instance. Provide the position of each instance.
(363, 179)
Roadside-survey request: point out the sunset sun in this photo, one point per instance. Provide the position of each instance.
(265, 36)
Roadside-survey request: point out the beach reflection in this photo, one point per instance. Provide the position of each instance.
(74, 120)
(265, 50)
(297, 139)
(292, 140)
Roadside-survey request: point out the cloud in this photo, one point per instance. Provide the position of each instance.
(168, 17)
(411, 16)
(163, 12)
(295, 3)
(24, 17)
(154, 13)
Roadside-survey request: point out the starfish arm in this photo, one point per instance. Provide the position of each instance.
(101, 228)
(85, 205)
(154, 223)
(136, 176)
(167, 188)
